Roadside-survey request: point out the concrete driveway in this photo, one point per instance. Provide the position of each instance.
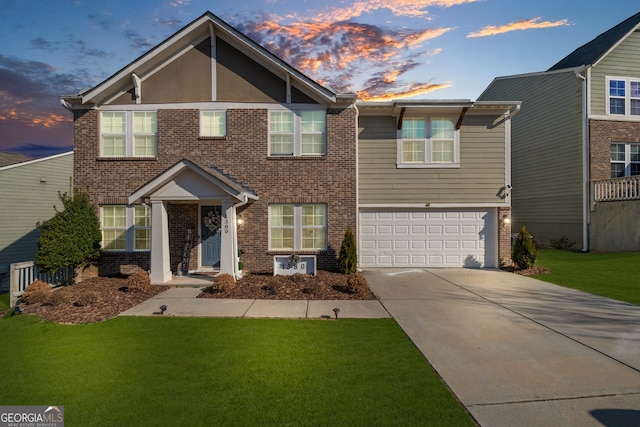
(517, 351)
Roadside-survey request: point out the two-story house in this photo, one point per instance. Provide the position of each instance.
(208, 144)
(576, 144)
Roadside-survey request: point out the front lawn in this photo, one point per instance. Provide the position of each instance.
(203, 371)
(4, 302)
(609, 275)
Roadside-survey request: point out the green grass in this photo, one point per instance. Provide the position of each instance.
(609, 275)
(224, 372)
(4, 302)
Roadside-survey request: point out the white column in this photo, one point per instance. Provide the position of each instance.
(160, 264)
(227, 257)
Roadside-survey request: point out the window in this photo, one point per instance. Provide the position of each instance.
(126, 228)
(213, 123)
(301, 133)
(128, 133)
(623, 96)
(428, 142)
(625, 160)
(298, 227)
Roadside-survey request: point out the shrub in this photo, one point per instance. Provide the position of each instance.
(37, 292)
(356, 283)
(563, 243)
(58, 298)
(86, 299)
(348, 258)
(72, 237)
(225, 282)
(138, 282)
(524, 253)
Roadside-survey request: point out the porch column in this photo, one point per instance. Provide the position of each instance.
(227, 256)
(160, 264)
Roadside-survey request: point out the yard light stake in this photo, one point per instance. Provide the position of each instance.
(336, 311)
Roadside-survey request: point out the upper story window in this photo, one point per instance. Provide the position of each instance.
(623, 96)
(298, 227)
(428, 142)
(126, 228)
(297, 133)
(128, 133)
(625, 160)
(213, 123)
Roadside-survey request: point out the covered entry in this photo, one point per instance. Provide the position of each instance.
(218, 196)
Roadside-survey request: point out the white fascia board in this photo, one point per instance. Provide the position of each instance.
(30, 162)
(391, 206)
(615, 46)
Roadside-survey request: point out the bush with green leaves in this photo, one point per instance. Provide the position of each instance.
(72, 237)
(348, 258)
(563, 243)
(523, 252)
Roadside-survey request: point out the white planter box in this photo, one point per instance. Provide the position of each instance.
(282, 265)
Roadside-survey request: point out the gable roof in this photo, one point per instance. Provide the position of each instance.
(590, 53)
(200, 29)
(7, 158)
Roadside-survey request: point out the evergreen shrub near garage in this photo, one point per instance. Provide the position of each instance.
(348, 258)
(523, 252)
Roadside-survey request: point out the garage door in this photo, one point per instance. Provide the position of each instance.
(427, 238)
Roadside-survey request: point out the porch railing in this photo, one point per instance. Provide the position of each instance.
(22, 274)
(616, 189)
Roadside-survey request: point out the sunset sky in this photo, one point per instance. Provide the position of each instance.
(379, 49)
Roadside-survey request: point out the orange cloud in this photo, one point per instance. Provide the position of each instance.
(411, 8)
(525, 24)
(414, 90)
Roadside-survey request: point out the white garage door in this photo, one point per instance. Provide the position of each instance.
(427, 238)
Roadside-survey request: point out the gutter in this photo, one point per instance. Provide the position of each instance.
(236, 257)
(586, 196)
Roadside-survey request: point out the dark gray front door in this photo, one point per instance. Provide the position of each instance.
(210, 231)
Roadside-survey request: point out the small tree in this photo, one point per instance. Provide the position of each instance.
(524, 252)
(348, 258)
(72, 237)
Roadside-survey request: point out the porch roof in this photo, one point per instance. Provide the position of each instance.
(212, 174)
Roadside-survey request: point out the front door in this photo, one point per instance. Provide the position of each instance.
(210, 232)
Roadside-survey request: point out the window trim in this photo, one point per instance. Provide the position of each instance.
(129, 134)
(297, 133)
(627, 96)
(298, 228)
(129, 228)
(428, 146)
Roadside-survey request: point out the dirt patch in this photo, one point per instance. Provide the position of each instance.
(533, 271)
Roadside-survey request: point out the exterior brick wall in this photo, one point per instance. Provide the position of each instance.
(602, 135)
(504, 237)
(243, 155)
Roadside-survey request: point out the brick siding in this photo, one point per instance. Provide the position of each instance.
(242, 154)
(602, 135)
(504, 237)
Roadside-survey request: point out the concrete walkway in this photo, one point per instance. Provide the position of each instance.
(182, 302)
(517, 351)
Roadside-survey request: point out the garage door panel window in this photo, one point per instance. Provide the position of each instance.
(298, 227)
(428, 142)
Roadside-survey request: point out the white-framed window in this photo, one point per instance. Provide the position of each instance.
(125, 228)
(128, 133)
(297, 133)
(625, 159)
(428, 142)
(213, 123)
(623, 96)
(297, 227)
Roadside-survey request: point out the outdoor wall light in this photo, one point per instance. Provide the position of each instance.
(240, 220)
(506, 220)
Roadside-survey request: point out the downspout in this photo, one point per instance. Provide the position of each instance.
(586, 193)
(357, 230)
(236, 257)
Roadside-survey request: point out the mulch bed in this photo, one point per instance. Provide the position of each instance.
(324, 286)
(533, 271)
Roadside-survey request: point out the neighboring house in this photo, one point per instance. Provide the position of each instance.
(576, 144)
(29, 191)
(434, 183)
(209, 132)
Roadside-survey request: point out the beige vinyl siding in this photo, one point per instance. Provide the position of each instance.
(478, 179)
(623, 61)
(26, 200)
(546, 149)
